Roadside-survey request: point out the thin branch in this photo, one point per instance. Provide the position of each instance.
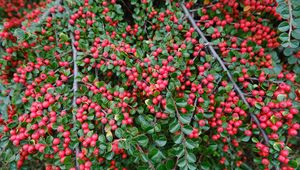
(126, 6)
(175, 166)
(290, 20)
(271, 81)
(194, 10)
(216, 56)
(195, 106)
(181, 127)
(75, 88)
(56, 36)
(149, 162)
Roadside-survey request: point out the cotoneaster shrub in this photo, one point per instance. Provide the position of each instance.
(131, 85)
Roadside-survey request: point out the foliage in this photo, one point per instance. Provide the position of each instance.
(100, 84)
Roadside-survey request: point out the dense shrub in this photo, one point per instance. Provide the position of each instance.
(134, 84)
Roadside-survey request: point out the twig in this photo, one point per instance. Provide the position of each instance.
(175, 164)
(236, 87)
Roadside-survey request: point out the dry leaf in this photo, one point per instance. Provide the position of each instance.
(206, 2)
(247, 8)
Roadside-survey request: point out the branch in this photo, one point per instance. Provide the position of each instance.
(216, 56)
(75, 88)
(291, 19)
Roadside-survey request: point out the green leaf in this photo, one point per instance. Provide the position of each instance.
(293, 164)
(170, 108)
(179, 151)
(284, 36)
(276, 146)
(161, 141)
(205, 165)
(118, 9)
(286, 44)
(210, 30)
(191, 157)
(182, 162)
(12, 125)
(281, 97)
(246, 138)
(213, 147)
(296, 33)
(185, 119)
(281, 7)
(254, 140)
(208, 115)
(285, 14)
(294, 44)
(296, 11)
(187, 129)
(119, 133)
(148, 102)
(277, 68)
(11, 158)
(181, 102)
(174, 126)
(155, 155)
(190, 144)
(109, 136)
(109, 155)
(63, 37)
(288, 51)
(258, 105)
(68, 160)
(292, 60)
(296, 22)
(283, 26)
(143, 140)
(19, 33)
(178, 138)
